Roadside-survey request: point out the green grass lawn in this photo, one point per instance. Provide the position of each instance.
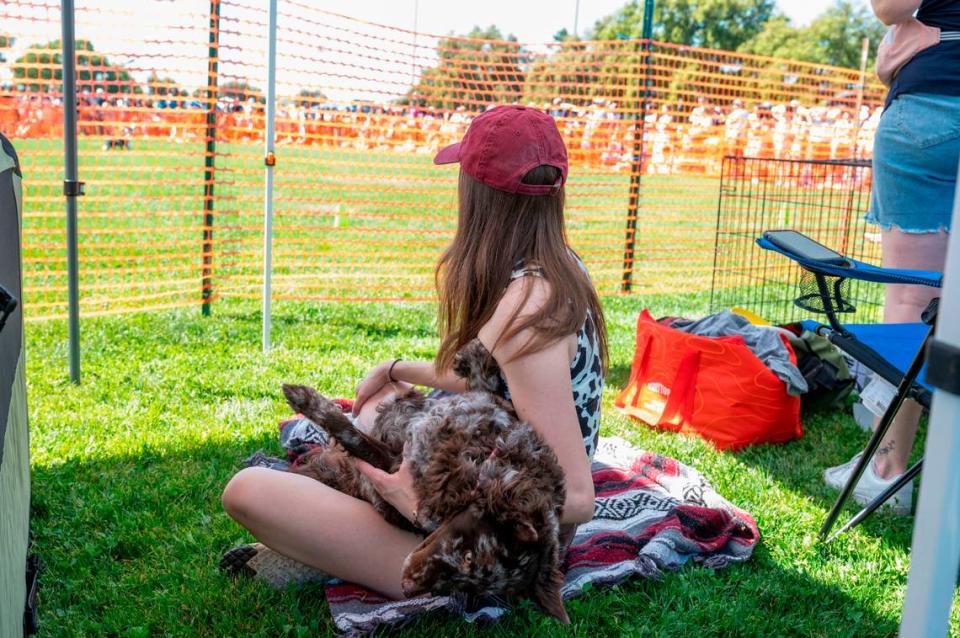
(128, 468)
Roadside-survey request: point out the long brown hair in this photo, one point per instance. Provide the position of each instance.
(495, 232)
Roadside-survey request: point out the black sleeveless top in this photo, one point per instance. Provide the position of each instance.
(935, 70)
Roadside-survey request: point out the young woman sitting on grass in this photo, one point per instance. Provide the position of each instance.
(508, 279)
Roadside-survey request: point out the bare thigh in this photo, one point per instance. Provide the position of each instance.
(368, 413)
(321, 527)
(915, 251)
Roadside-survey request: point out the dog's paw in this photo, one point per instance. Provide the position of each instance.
(302, 398)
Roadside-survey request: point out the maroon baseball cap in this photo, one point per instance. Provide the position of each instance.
(504, 144)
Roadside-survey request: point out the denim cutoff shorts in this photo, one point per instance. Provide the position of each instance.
(915, 160)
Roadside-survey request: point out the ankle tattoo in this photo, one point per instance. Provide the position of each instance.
(887, 449)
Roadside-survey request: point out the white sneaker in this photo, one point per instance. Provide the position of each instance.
(870, 485)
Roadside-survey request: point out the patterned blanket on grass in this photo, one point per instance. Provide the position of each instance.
(653, 517)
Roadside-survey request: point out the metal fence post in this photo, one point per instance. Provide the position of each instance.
(72, 187)
(636, 168)
(269, 162)
(209, 174)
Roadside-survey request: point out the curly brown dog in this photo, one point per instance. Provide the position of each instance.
(490, 491)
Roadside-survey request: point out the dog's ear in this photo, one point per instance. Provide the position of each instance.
(546, 595)
(526, 533)
(461, 364)
(474, 363)
(419, 569)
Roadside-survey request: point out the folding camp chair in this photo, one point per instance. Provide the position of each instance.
(895, 352)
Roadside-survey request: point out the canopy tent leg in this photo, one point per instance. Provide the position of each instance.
(935, 554)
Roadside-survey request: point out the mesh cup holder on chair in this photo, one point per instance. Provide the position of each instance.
(812, 296)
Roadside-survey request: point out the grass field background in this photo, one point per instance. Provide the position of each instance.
(128, 468)
(348, 224)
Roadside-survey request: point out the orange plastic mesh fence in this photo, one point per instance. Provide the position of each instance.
(361, 213)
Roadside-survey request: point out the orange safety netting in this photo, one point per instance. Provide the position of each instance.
(360, 211)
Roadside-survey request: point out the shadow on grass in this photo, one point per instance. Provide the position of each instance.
(617, 376)
(132, 539)
(131, 546)
(830, 438)
(376, 322)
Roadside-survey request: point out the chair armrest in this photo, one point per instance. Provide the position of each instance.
(831, 263)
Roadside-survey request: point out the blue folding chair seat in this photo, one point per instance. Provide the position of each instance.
(896, 352)
(897, 343)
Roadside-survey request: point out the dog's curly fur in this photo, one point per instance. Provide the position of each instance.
(490, 491)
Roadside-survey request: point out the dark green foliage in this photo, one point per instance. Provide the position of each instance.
(835, 37)
(39, 70)
(714, 24)
(162, 87)
(240, 90)
(6, 42)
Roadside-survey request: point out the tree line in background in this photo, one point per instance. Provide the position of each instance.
(488, 65)
(495, 67)
(39, 69)
(751, 26)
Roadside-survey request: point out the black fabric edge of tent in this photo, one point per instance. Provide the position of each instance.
(11, 354)
(12, 152)
(11, 337)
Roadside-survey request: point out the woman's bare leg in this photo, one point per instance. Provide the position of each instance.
(316, 525)
(904, 304)
(320, 527)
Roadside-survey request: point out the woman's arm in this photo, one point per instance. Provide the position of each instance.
(541, 392)
(894, 11)
(412, 372)
(425, 373)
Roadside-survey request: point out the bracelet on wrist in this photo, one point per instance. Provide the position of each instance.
(390, 371)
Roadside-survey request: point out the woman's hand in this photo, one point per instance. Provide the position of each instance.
(371, 384)
(396, 489)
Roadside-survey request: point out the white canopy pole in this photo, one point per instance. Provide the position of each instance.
(936, 533)
(269, 161)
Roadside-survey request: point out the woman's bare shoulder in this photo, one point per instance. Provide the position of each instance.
(524, 296)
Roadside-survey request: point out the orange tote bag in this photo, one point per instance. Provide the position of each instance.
(713, 387)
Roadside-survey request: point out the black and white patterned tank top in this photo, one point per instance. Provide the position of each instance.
(586, 371)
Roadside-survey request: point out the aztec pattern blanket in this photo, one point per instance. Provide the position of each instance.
(653, 514)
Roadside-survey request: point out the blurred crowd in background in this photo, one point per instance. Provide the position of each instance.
(690, 137)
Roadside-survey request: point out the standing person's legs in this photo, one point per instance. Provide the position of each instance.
(904, 304)
(916, 151)
(915, 171)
